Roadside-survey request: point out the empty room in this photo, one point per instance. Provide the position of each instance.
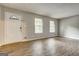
(39, 29)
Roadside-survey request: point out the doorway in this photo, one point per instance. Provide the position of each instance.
(13, 27)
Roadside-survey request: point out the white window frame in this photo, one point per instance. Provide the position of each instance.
(51, 26)
(38, 25)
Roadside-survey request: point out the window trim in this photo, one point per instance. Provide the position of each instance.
(52, 26)
(39, 25)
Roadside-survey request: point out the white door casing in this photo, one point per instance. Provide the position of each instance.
(13, 32)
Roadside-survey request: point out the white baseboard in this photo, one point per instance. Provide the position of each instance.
(25, 40)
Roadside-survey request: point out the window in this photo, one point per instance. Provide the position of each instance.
(14, 17)
(52, 26)
(38, 25)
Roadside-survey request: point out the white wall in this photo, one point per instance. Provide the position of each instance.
(28, 24)
(29, 18)
(1, 26)
(69, 27)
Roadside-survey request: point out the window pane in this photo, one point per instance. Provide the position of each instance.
(52, 26)
(38, 25)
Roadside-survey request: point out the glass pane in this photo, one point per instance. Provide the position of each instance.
(38, 25)
(52, 26)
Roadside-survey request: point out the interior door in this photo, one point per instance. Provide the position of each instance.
(13, 29)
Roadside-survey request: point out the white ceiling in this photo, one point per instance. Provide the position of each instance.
(55, 10)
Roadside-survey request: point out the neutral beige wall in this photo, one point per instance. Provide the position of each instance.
(1, 26)
(28, 24)
(69, 27)
(29, 19)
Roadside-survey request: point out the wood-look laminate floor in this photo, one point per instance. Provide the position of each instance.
(57, 46)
